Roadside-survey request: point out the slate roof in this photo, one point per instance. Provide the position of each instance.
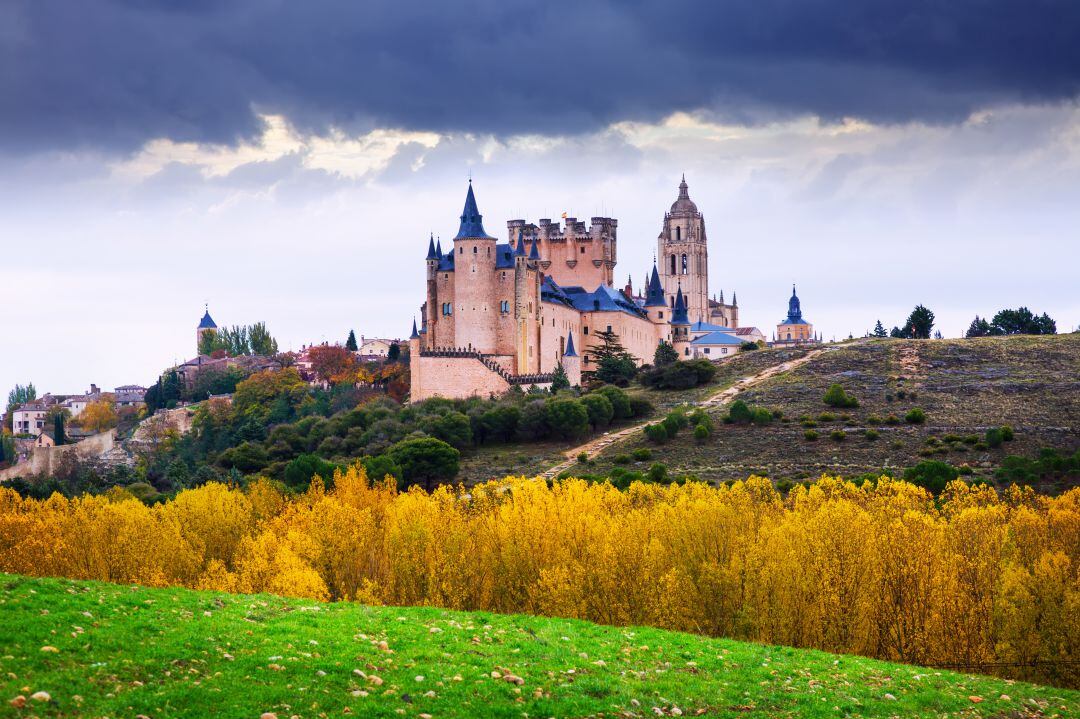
(504, 259)
(602, 299)
(700, 326)
(207, 322)
(472, 222)
(717, 338)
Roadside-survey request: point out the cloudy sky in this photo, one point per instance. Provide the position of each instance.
(285, 161)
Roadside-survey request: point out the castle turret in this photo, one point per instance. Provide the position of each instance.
(571, 363)
(656, 306)
(474, 291)
(431, 262)
(680, 325)
(206, 324)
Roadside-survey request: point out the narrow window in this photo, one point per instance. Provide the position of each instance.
(474, 249)
(678, 233)
(585, 330)
(684, 264)
(672, 265)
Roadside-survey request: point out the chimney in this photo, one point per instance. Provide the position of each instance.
(93, 389)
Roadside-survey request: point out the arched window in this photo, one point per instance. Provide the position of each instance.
(474, 249)
(684, 264)
(672, 265)
(678, 233)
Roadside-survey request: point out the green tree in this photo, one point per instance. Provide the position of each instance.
(210, 342)
(350, 343)
(599, 409)
(835, 396)
(165, 392)
(665, 354)
(620, 401)
(260, 342)
(920, 322)
(381, 466)
(932, 475)
(1022, 321)
(394, 353)
(897, 333)
(534, 423)
(300, 471)
(58, 429)
(16, 397)
(501, 422)
(614, 365)
(978, 328)
(879, 330)
(559, 379)
(568, 418)
(425, 460)
(453, 428)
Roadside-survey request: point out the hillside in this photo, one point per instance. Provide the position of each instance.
(107, 650)
(965, 387)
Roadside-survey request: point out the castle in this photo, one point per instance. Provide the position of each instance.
(503, 314)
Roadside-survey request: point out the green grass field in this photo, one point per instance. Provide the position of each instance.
(102, 650)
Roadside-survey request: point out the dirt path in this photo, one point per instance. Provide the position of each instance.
(599, 444)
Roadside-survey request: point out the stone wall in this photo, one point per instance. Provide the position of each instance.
(42, 460)
(453, 378)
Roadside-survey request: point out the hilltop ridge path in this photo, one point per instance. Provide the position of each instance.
(598, 444)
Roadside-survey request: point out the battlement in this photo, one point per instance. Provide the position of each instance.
(599, 228)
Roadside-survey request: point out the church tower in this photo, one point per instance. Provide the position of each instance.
(206, 324)
(684, 255)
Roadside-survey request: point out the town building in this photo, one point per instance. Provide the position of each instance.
(793, 329)
(503, 314)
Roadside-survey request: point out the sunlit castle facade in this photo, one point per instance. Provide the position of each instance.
(499, 314)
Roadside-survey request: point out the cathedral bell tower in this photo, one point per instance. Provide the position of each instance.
(684, 255)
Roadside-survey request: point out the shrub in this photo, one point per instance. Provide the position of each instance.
(748, 347)
(701, 433)
(952, 438)
(599, 409)
(762, 416)
(965, 469)
(657, 473)
(568, 418)
(620, 401)
(994, 437)
(656, 433)
(915, 416)
(641, 454)
(809, 423)
(640, 407)
(583, 457)
(740, 413)
(810, 435)
(971, 439)
(835, 396)
(826, 417)
(874, 419)
(892, 419)
(871, 434)
(378, 467)
(896, 444)
(932, 475)
(1007, 433)
(675, 420)
(621, 459)
(837, 435)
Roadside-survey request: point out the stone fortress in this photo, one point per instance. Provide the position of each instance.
(502, 314)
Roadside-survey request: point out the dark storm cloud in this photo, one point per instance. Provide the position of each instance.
(113, 73)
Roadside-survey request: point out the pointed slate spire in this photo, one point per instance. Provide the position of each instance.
(520, 249)
(678, 317)
(472, 225)
(654, 294)
(721, 296)
(570, 346)
(734, 299)
(431, 248)
(414, 334)
(534, 253)
(438, 248)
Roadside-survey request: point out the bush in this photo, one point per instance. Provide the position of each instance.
(965, 470)
(679, 375)
(874, 419)
(640, 407)
(837, 435)
(298, 472)
(599, 409)
(994, 437)
(675, 420)
(701, 433)
(658, 473)
(761, 416)
(810, 435)
(621, 459)
(871, 434)
(621, 405)
(583, 457)
(656, 433)
(641, 454)
(1007, 433)
(568, 418)
(915, 416)
(381, 466)
(826, 417)
(835, 396)
(740, 413)
(931, 475)
(892, 419)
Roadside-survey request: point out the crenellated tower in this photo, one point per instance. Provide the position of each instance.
(684, 255)
(474, 310)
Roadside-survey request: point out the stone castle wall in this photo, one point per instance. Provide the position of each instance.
(43, 460)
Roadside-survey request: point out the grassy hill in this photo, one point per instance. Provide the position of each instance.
(121, 651)
(964, 386)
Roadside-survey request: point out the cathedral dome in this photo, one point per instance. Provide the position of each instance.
(683, 204)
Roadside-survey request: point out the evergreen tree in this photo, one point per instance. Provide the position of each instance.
(978, 328)
(614, 365)
(920, 323)
(260, 341)
(394, 353)
(58, 429)
(560, 380)
(665, 354)
(879, 330)
(1022, 321)
(350, 344)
